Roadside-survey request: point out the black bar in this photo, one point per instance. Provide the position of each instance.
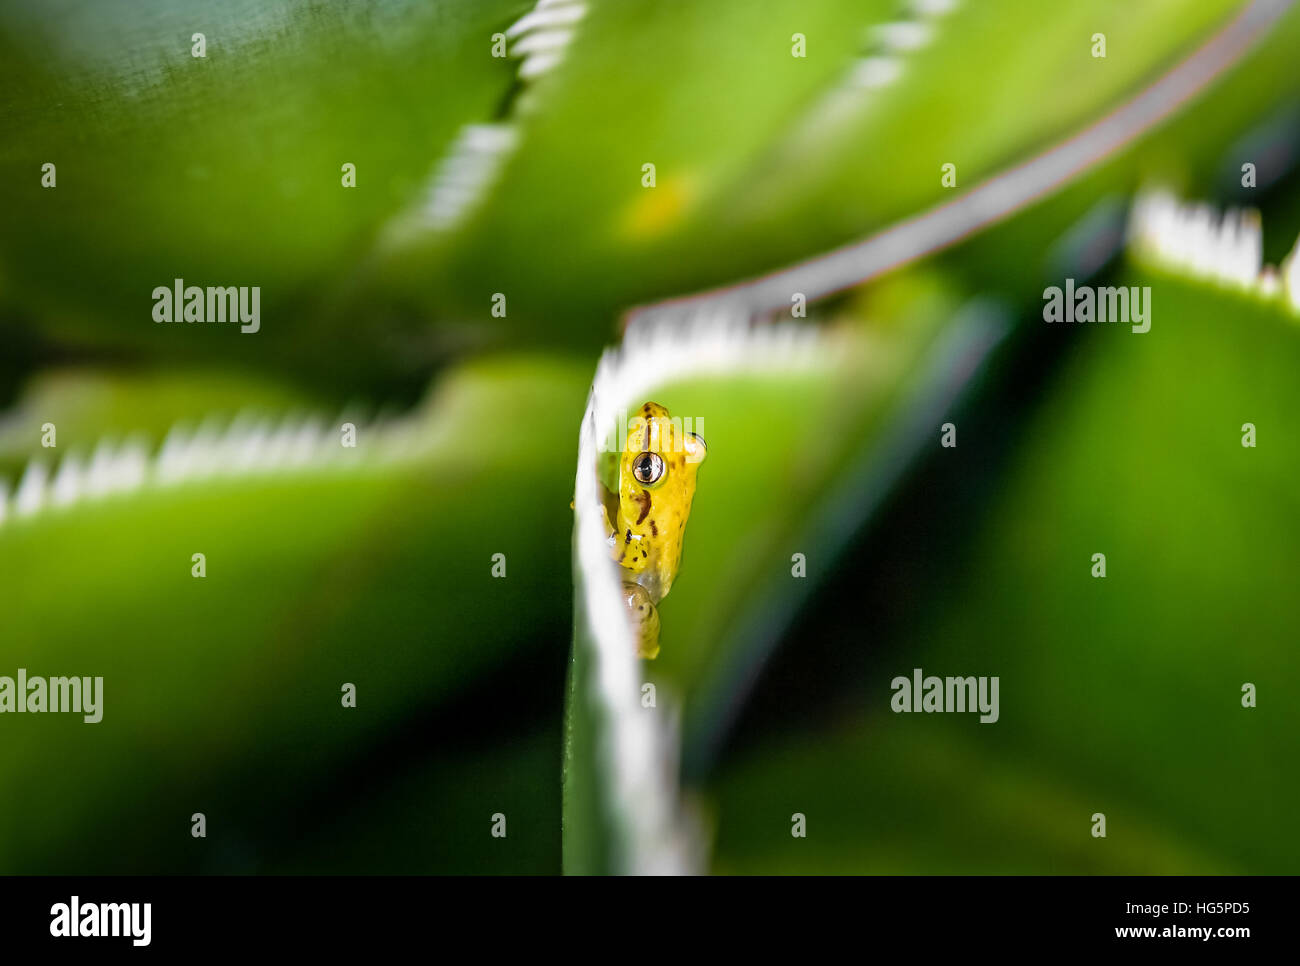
(976, 914)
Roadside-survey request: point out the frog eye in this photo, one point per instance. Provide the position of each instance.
(648, 468)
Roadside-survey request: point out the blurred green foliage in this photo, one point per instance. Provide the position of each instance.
(227, 169)
(222, 694)
(1119, 695)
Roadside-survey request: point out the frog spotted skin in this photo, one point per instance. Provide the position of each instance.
(646, 518)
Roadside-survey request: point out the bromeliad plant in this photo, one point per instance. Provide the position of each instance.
(394, 187)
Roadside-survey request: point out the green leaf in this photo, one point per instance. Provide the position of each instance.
(756, 166)
(370, 567)
(1120, 695)
(805, 439)
(227, 169)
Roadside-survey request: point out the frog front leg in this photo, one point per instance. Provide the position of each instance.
(644, 616)
(642, 613)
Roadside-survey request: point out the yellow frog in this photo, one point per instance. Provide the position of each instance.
(645, 519)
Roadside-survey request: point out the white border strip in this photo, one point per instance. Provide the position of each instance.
(250, 446)
(1225, 249)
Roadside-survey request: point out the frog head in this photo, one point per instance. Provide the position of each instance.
(656, 483)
